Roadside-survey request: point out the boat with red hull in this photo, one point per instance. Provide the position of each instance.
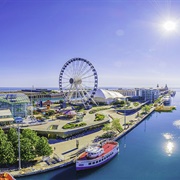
(6, 176)
(97, 155)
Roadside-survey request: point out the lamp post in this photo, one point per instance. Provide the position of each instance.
(19, 149)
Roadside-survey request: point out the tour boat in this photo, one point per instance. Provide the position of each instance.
(166, 99)
(6, 176)
(96, 155)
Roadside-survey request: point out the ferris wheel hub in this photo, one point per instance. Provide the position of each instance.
(75, 81)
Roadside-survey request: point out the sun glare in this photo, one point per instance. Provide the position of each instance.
(170, 26)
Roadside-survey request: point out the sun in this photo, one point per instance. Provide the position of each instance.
(170, 26)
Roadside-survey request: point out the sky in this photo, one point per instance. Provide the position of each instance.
(125, 40)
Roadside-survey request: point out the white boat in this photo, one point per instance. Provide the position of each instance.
(97, 155)
(166, 99)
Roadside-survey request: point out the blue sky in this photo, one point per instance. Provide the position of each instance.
(123, 39)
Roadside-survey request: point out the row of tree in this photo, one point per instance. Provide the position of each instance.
(31, 146)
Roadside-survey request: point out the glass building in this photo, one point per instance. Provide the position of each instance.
(16, 102)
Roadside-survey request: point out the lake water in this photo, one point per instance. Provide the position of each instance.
(151, 151)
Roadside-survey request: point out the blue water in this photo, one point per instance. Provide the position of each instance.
(149, 152)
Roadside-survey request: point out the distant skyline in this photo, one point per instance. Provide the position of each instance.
(125, 40)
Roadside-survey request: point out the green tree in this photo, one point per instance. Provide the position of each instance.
(7, 155)
(31, 135)
(116, 125)
(3, 136)
(107, 127)
(145, 109)
(13, 138)
(43, 148)
(28, 151)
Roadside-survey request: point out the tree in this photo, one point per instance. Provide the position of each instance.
(116, 125)
(7, 155)
(13, 138)
(3, 136)
(43, 148)
(145, 109)
(28, 151)
(107, 127)
(31, 135)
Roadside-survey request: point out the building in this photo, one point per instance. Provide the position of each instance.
(106, 96)
(17, 103)
(149, 94)
(144, 94)
(6, 117)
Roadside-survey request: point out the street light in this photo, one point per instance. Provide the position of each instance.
(19, 149)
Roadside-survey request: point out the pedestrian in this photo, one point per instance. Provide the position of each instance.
(54, 148)
(77, 144)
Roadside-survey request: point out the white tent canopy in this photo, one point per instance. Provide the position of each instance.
(107, 96)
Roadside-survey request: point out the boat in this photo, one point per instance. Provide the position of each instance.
(96, 155)
(167, 99)
(6, 176)
(173, 93)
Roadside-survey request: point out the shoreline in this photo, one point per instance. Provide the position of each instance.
(64, 163)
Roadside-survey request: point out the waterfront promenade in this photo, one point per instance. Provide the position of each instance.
(66, 151)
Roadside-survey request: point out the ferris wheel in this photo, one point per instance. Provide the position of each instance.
(78, 81)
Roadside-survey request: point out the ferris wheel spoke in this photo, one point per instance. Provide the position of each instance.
(88, 76)
(86, 72)
(74, 68)
(80, 67)
(66, 86)
(69, 92)
(67, 75)
(87, 87)
(65, 78)
(83, 69)
(66, 83)
(82, 93)
(69, 72)
(88, 81)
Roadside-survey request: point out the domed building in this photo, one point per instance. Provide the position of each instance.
(107, 96)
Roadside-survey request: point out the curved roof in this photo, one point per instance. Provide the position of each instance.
(106, 94)
(14, 98)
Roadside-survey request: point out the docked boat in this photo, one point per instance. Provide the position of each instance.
(166, 99)
(96, 155)
(173, 93)
(6, 176)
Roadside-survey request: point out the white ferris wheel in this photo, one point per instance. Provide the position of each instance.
(78, 81)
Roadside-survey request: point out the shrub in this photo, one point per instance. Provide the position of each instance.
(73, 125)
(99, 117)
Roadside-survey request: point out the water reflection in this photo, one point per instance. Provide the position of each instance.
(177, 123)
(169, 146)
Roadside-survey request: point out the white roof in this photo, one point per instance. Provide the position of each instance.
(6, 115)
(106, 94)
(5, 112)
